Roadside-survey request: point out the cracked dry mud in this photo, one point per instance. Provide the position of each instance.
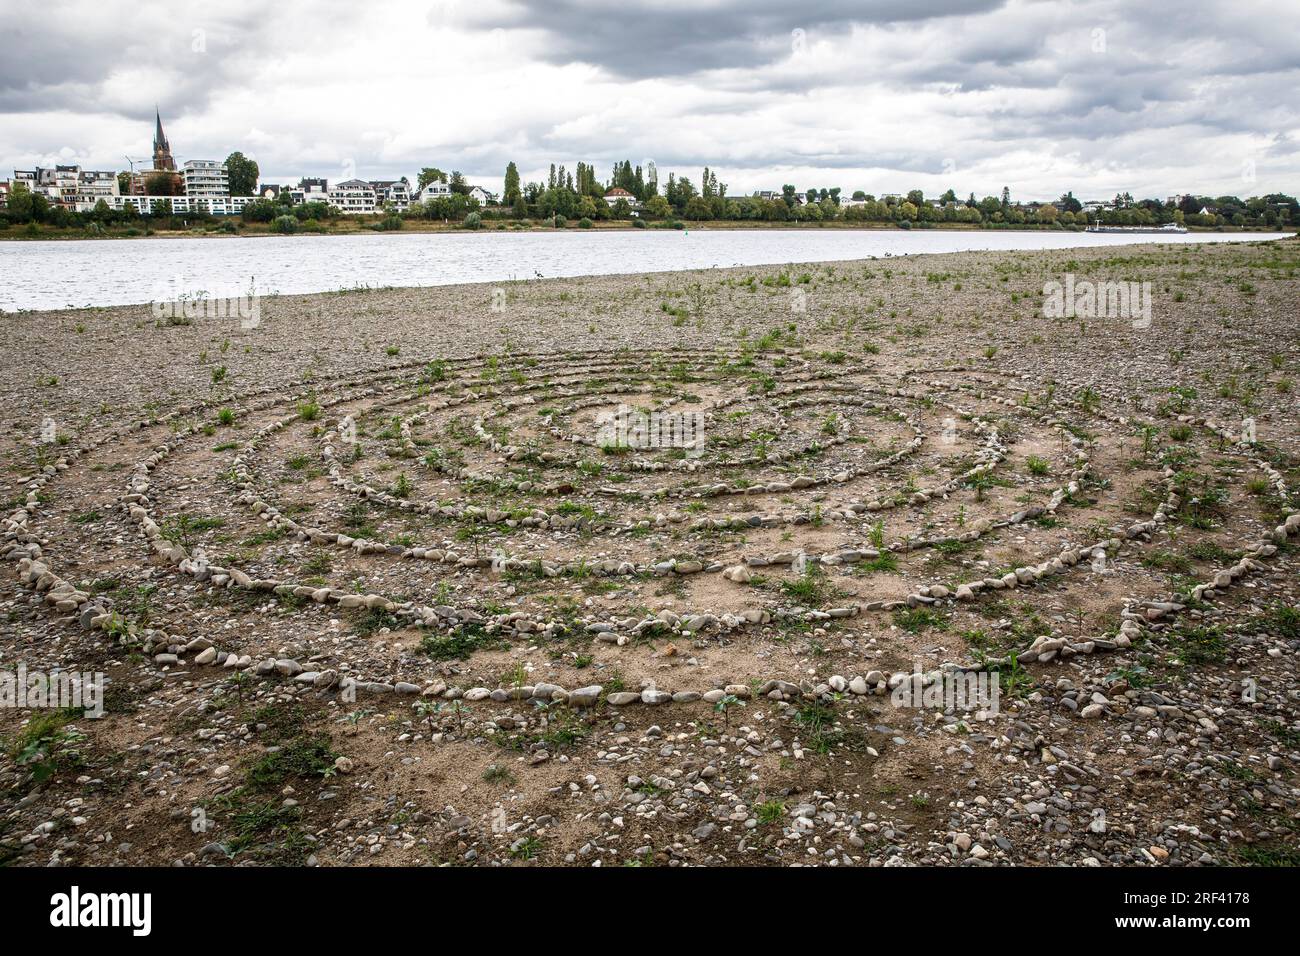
(369, 584)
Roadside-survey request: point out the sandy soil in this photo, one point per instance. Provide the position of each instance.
(844, 408)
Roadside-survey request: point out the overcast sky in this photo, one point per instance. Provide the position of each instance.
(1097, 96)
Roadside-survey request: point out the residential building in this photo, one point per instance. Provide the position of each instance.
(69, 186)
(183, 205)
(205, 179)
(612, 196)
(434, 190)
(57, 184)
(311, 190)
(354, 197)
(393, 193)
(484, 197)
(94, 185)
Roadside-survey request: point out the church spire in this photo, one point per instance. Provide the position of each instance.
(162, 153)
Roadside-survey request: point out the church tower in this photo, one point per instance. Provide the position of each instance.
(162, 152)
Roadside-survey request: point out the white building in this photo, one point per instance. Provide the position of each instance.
(434, 190)
(69, 186)
(310, 190)
(618, 192)
(484, 197)
(205, 179)
(355, 197)
(394, 193)
(92, 186)
(183, 205)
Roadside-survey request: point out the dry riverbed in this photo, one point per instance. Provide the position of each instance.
(374, 582)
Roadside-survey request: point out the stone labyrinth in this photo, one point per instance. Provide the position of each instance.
(957, 516)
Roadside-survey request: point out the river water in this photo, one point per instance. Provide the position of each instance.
(75, 273)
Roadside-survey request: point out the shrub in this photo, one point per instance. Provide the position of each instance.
(638, 223)
(284, 224)
(584, 223)
(473, 221)
(559, 222)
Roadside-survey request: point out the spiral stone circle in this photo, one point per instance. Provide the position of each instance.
(492, 632)
(470, 502)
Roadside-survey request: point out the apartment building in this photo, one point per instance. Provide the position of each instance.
(394, 193)
(353, 197)
(311, 190)
(183, 205)
(69, 186)
(205, 179)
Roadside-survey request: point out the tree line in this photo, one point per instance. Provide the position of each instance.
(580, 194)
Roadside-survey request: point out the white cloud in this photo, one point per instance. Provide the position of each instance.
(881, 95)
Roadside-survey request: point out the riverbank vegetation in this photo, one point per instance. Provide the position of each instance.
(580, 200)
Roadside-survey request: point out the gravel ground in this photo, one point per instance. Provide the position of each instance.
(388, 578)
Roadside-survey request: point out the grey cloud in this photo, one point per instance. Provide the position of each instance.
(637, 39)
(70, 61)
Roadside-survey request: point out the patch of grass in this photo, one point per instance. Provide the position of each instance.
(769, 812)
(917, 619)
(1268, 855)
(1194, 645)
(302, 758)
(183, 529)
(45, 746)
(811, 588)
(375, 620)
(461, 643)
(526, 849)
(820, 729)
(885, 563)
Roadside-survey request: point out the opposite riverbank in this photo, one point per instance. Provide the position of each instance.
(234, 227)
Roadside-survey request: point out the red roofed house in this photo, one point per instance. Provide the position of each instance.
(617, 193)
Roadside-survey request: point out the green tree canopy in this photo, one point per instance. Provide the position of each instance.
(242, 173)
